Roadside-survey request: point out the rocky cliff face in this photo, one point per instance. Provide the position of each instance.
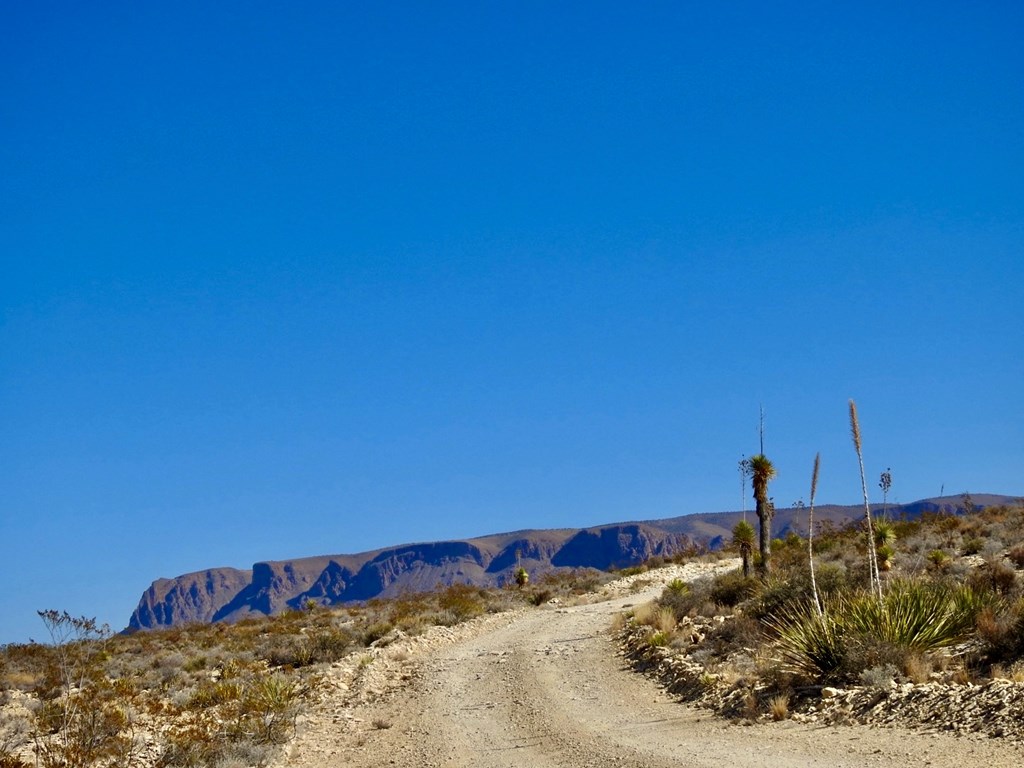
(227, 594)
(189, 598)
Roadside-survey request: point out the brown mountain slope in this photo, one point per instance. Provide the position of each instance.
(229, 594)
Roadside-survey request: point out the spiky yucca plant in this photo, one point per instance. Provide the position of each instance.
(810, 643)
(743, 538)
(917, 615)
(762, 471)
(885, 537)
(913, 616)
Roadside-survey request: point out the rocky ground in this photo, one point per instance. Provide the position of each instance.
(994, 709)
(550, 687)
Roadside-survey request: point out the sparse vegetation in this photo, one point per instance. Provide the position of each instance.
(875, 603)
(943, 615)
(212, 695)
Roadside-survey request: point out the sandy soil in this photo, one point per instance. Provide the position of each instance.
(546, 688)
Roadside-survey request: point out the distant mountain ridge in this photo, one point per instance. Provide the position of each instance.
(230, 594)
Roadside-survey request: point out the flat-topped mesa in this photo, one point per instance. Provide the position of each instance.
(229, 594)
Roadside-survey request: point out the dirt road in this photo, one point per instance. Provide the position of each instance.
(546, 688)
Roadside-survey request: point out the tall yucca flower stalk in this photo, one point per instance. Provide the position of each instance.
(810, 533)
(876, 579)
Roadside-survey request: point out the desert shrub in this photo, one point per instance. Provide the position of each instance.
(192, 742)
(945, 522)
(462, 600)
(586, 580)
(331, 644)
(972, 545)
(690, 602)
(409, 609)
(659, 639)
(775, 596)
(1016, 556)
(88, 727)
(993, 577)
(244, 754)
(540, 596)
(906, 529)
(376, 631)
(917, 667)
(993, 549)
(575, 581)
(213, 693)
(939, 558)
(831, 579)
(266, 710)
(737, 632)
(231, 719)
(731, 589)
(863, 651)
(7, 760)
(1001, 633)
(880, 676)
(287, 652)
(633, 570)
(85, 720)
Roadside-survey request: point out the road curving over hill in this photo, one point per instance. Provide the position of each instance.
(546, 688)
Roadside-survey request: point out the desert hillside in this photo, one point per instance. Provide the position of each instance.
(229, 594)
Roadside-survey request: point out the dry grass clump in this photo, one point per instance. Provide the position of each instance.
(664, 620)
(778, 706)
(660, 620)
(1014, 673)
(644, 613)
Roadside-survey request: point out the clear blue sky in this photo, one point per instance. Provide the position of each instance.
(292, 279)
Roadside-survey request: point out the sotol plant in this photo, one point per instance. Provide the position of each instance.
(913, 617)
(810, 534)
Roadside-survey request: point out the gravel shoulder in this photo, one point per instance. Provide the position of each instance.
(546, 687)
